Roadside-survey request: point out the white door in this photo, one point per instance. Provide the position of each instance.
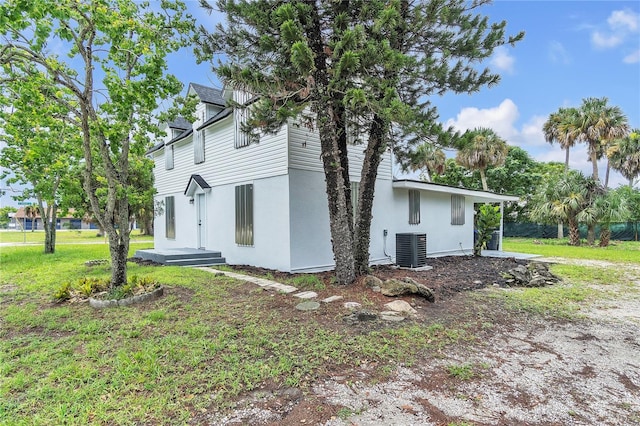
(201, 218)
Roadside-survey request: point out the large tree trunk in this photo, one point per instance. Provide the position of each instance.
(333, 160)
(560, 230)
(340, 221)
(574, 232)
(605, 236)
(373, 155)
(566, 159)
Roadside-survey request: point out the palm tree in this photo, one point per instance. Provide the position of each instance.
(624, 156)
(562, 198)
(428, 159)
(32, 211)
(599, 124)
(612, 207)
(561, 127)
(479, 149)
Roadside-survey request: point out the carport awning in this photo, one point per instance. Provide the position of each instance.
(477, 196)
(195, 182)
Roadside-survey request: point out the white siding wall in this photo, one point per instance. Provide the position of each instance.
(435, 221)
(304, 154)
(310, 234)
(264, 164)
(270, 223)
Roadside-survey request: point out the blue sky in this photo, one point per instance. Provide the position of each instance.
(572, 50)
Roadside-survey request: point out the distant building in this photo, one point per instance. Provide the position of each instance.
(23, 222)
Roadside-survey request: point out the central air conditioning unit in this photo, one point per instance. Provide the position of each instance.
(411, 250)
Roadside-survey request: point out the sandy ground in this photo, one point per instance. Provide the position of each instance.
(524, 371)
(584, 372)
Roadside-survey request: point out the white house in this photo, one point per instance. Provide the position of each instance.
(264, 203)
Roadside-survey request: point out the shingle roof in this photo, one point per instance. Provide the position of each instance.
(179, 123)
(209, 95)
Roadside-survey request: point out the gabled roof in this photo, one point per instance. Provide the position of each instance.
(194, 182)
(481, 196)
(219, 116)
(178, 138)
(208, 95)
(179, 123)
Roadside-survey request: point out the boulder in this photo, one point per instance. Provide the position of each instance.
(393, 287)
(372, 281)
(400, 306)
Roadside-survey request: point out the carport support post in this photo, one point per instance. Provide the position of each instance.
(501, 225)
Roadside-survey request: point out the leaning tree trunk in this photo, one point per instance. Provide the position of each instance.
(605, 236)
(574, 232)
(340, 219)
(483, 178)
(373, 155)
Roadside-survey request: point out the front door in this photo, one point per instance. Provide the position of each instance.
(201, 218)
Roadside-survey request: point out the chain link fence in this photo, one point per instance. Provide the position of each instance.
(619, 231)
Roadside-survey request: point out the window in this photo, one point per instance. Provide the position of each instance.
(198, 147)
(457, 210)
(244, 215)
(170, 217)
(241, 116)
(414, 207)
(168, 157)
(355, 190)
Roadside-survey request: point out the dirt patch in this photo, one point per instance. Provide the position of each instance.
(523, 369)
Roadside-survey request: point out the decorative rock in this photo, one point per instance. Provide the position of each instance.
(352, 305)
(332, 299)
(359, 316)
(393, 287)
(372, 281)
(535, 274)
(376, 289)
(394, 318)
(100, 304)
(400, 306)
(309, 305)
(306, 295)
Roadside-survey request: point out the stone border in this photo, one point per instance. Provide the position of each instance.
(100, 304)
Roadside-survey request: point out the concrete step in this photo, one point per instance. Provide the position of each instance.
(182, 256)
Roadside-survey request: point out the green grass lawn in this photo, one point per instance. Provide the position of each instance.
(64, 237)
(164, 362)
(618, 251)
(209, 338)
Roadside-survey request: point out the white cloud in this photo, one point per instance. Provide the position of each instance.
(605, 41)
(502, 60)
(622, 26)
(632, 58)
(624, 19)
(558, 54)
(500, 119)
